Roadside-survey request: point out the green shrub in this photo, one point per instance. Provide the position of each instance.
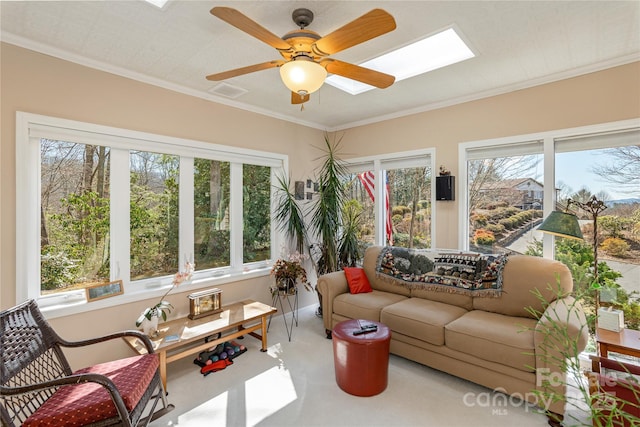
(615, 247)
(57, 270)
(578, 256)
(510, 211)
(401, 239)
(479, 220)
(508, 223)
(495, 228)
(420, 242)
(613, 225)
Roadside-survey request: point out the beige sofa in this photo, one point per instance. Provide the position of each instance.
(492, 341)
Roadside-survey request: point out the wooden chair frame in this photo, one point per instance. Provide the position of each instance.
(614, 388)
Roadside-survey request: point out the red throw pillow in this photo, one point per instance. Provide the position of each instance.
(357, 280)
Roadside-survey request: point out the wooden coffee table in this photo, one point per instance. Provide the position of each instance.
(245, 317)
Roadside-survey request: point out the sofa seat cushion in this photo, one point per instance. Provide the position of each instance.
(364, 305)
(420, 318)
(495, 337)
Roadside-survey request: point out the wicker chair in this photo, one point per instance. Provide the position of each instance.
(37, 386)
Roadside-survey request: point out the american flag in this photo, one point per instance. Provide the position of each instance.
(368, 181)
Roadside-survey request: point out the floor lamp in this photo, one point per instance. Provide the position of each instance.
(565, 224)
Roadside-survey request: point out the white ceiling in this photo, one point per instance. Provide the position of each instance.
(518, 44)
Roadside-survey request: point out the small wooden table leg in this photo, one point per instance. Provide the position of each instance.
(604, 350)
(264, 334)
(163, 368)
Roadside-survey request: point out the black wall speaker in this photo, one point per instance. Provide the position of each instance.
(445, 187)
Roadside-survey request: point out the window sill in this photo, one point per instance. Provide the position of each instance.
(75, 303)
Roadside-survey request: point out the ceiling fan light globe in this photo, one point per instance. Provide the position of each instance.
(303, 76)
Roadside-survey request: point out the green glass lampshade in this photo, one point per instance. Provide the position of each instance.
(562, 224)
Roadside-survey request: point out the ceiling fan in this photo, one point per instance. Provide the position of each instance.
(306, 54)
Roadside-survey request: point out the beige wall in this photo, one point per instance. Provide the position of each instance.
(40, 84)
(601, 97)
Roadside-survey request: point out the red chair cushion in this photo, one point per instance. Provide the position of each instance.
(85, 403)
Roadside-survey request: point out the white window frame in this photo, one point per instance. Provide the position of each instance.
(30, 127)
(510, 146)
(404, 159)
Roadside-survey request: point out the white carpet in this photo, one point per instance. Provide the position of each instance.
(293, 384)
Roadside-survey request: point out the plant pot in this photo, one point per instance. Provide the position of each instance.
(287, 286)
(150, 326)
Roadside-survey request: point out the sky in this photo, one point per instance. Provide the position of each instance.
(574, 170)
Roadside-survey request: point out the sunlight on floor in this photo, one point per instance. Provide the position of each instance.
(267, 393)
(264, 395)
(202, 415)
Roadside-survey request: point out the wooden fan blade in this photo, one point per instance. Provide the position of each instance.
(241, 22)
(244, 70)
(361, 74)
(368, 26)
(296, 98)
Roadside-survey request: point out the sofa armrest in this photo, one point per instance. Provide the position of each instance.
(331, 285)
(561, 334)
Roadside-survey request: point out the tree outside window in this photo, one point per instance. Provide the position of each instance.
(74, 214)
(211, 214)
(256, 202)
(408, 213)
(154, 219)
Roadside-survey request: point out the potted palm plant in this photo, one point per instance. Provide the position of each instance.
(332, 221)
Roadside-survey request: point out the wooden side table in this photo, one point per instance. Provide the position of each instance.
(627, 341)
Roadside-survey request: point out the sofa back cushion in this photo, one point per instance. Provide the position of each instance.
(369, 264)
(521, 276)
(464, 301)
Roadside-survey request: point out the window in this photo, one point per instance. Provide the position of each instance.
(552, 168)
(606, 165)
(211, 213)
(410, 199)
(99, 204)
(399, 211)
(74, 224)
(360, 190)
(504, 196)
(256, 199)
(153, 215)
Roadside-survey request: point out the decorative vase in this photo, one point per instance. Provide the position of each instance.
(150, 326)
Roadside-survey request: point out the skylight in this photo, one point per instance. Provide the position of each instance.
(431, 53)
(157, 3)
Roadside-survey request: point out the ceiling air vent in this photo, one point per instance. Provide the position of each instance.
(227, 90)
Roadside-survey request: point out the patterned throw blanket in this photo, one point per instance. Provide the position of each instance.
(478, 275)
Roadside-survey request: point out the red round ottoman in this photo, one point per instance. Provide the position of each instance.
(361, 361)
